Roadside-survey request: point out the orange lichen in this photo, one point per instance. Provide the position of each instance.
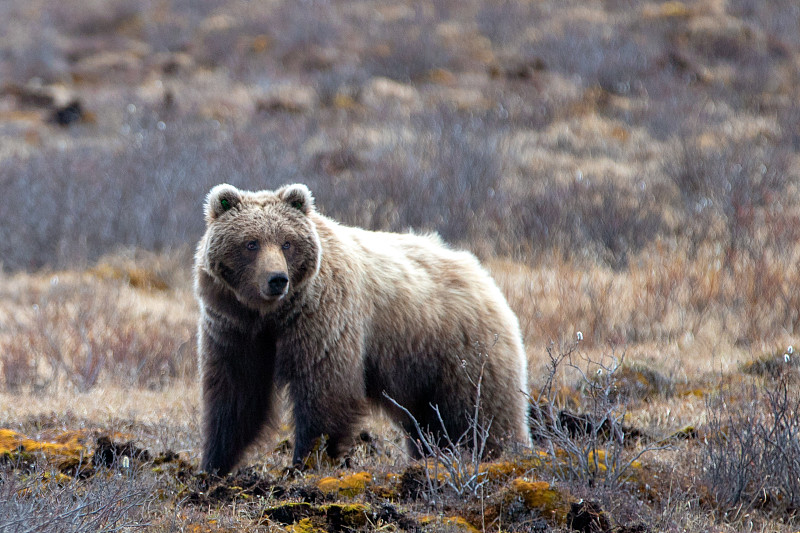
(303, 526)
(57, 477)
(454, 522)
(348, 485)
(504, 470)
(540, 495)
(329, 485)
(66, 445)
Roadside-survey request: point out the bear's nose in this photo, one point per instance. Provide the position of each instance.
(277, 282)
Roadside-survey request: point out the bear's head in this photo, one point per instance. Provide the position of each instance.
(262, 246)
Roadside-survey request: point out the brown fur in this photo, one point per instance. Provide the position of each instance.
(363, 313)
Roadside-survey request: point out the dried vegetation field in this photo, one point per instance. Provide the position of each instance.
(629, 170)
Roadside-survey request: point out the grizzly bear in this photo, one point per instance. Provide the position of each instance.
(343, 319)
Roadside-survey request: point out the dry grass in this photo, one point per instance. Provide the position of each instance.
(628, 171)
(115, 324)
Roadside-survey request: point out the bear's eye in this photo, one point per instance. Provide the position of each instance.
(252, 246)
(286, 245)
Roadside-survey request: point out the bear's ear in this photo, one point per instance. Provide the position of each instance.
(297, 196)
(222, 198)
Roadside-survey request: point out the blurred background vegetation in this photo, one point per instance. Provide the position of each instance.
(510, 127)
(627, 169)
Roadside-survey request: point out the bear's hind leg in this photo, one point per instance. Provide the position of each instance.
(453, 426)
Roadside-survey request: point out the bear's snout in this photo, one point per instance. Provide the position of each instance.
(276, 283)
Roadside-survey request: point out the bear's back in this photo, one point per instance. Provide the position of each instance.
(420, 269)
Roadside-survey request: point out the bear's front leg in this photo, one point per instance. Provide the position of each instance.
(327, 394)
(238, 389)
(324, 414)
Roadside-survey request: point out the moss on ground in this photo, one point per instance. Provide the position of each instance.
(350, 485)
(504, 470)
(66, 452)
(451, 523)
(303, 503)
(543, 497)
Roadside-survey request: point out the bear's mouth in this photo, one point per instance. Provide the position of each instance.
(271, 298)
(258, 300)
